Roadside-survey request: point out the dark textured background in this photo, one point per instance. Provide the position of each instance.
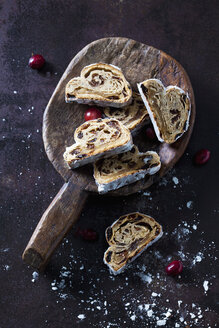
(188, 31)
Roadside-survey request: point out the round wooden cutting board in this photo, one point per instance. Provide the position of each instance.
(138, 62)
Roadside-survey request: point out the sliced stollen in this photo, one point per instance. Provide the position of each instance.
(120, 170)
(96, 139)
(101, 84)
(133, 116)
(169, 109)
(128, 237)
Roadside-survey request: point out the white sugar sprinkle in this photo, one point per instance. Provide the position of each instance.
(81, 316)
(179, 303)
(175, 180)
(145, 277)
(150, 313)
(189, 204)
(155, 294)
(35, 276)
(161, 322)
(194, 226)
(146, 193)
(133, 317)
(198, 258)
(205, 285)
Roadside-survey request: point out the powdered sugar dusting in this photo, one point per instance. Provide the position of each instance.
(144, 294)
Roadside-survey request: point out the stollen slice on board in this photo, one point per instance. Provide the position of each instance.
(169, 109)
(122, 169)
(96, 139)
(101, 84)
(128, 237)
(134, 116)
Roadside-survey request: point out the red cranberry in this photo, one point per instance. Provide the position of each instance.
(150, 134)
(92, 114)
(202, 156)
(174, 268)
(87, 234)
(36, 61)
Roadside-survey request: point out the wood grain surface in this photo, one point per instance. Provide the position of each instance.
(57, 220)
(138, 62)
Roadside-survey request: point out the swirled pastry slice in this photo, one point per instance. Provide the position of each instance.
(128, 237)
(101, 84)
(120, 170)
(169, 109)
(96, 139)
(133, 116)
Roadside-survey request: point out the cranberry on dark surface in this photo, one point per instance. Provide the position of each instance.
(150, 134)
(87, 234)
(174, 268)
(92, 114)
(36, 61)
(202, 156)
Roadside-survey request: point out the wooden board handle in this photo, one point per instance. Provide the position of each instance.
(59, 217)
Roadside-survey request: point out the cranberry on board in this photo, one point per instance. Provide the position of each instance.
(174, 268)
(36, 61)
(202, 156)
(92, 113)
(150, 134)
(87, 234)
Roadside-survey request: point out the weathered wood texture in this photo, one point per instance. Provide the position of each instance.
(138, 62)
(54, 224)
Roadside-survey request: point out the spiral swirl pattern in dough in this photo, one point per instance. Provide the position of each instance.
(100, 83)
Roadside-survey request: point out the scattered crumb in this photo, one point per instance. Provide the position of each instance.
(161, 322)
(205, 285)
(189, 204)
(81, 316)
(175, 180)
(133, 317)
(35, 276)
(198, 258)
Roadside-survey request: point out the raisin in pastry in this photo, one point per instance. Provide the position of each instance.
(134, 116)
(169, 109)
(120, 170)
(96, 139)
(128, 237)
(101, 84)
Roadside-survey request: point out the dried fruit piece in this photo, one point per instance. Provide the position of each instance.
(150, 134)
(87, 234)
(92, 114)
(174, 268)
(202, 156)
(36, 61)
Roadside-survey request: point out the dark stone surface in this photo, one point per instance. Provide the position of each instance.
(76, 281)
